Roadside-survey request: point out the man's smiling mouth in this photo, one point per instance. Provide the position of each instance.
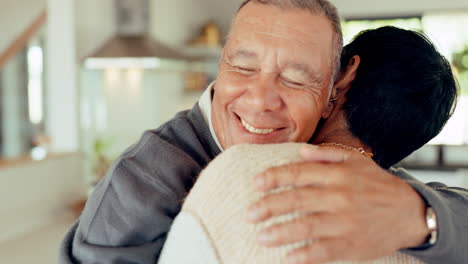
(255, 130)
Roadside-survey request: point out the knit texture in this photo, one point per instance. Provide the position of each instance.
(218, 201)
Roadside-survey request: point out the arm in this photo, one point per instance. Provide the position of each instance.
(359, 211)
(127, 217)
(451, 207)
(116, 226)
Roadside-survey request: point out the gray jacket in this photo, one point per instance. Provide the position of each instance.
(127, 217)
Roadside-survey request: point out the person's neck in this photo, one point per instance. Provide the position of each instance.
(340, 136)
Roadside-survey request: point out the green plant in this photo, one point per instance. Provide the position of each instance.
(460, 60)
(101, 159)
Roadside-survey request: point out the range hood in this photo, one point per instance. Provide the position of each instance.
(132, 46)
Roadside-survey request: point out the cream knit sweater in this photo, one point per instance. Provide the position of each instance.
(212, 226)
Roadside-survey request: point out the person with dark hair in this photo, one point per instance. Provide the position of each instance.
(394, 93)
(276, 77)
(377, 65)
(402, 94)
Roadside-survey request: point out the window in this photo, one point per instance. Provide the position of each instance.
(22, 103)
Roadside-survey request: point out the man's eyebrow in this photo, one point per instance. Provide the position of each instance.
(304, 69)
(243, 53)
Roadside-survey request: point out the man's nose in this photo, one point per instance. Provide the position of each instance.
(263, 94)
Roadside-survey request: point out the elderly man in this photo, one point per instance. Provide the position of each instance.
(274, 85)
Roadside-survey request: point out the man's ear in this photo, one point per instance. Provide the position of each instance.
(342, 85)
(330, 107)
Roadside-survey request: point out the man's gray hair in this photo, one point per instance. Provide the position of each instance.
(318, 7)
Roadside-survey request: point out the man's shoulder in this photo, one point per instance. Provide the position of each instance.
(142, 191)
(184, 137)
(173, 151)
(162, 141)
(400, 172)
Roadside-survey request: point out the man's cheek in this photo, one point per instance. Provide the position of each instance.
(230, 93)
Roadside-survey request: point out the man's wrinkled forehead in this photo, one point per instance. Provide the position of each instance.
(270, 28)
(290, 23)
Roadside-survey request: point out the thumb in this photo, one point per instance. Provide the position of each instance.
(323, 154)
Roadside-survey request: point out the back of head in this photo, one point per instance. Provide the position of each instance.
(403, 94)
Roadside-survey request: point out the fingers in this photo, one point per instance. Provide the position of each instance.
(298, 174)
(321, 166)
(363, 198)
(324, 154)
(320, 251)
(305, 228)
(309, 199)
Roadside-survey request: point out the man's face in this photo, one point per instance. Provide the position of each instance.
(274, 77)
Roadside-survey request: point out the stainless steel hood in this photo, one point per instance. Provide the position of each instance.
(144, 46)
(132, 46)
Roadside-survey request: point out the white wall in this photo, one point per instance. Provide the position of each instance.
(176, 21)
(94, 25)
(15, 17)
(35, 194)
(372, 8)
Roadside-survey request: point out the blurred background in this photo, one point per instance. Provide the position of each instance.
(81, 80)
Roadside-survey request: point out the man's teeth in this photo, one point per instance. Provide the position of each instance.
(252, 129)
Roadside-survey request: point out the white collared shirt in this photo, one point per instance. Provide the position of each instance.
(205, 106)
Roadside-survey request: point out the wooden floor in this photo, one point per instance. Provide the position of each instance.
(40, 247)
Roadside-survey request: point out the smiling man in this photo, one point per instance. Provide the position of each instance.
(275, 76)
(274, 85)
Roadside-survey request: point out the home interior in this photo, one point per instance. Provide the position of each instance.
(81, 80)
